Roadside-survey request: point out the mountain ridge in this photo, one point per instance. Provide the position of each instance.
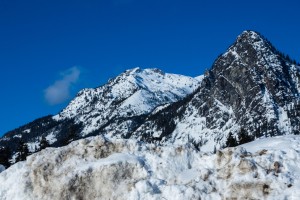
(121, 104)
(251, 91)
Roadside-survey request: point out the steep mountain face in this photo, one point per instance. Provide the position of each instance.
(115, 109)
(251, 91)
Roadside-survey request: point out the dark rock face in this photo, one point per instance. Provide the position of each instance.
(257, 83)
(251, 88)
(251, 91)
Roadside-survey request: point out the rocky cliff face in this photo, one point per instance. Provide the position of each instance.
(251, 91)
(259, 85)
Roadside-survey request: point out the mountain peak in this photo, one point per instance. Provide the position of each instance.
(133, 71)
(250, 49)
(252, 39)
(249, 34)
(138, 70)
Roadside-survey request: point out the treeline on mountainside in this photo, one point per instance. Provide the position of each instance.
(17, 145)
(282, 55)
(243, 137)
(21, 152)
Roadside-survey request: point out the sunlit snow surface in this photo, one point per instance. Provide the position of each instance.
(133, 93)
(96, 168)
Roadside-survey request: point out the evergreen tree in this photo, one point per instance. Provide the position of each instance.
(44, 143)
(23, 151)
(71, 135)
(294, 62)
(287, 57)
(5, 155)
(231, 141)
(244, 137)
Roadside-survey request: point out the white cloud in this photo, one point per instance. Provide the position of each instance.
(59, 91)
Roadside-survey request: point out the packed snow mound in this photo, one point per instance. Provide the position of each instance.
(96, 168)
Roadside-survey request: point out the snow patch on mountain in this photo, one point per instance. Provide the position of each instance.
(135, 92)
(199, 78)
(134, 86)
(95, 167)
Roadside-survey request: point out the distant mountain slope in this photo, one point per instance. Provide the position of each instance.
(115, 109)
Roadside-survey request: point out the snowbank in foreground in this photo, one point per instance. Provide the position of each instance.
(95, 168)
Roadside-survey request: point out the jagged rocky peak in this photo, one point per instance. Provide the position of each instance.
(249, 49)
(254, 85)
(249, 39)
(253, 65)
(250, 36)
(251, 91)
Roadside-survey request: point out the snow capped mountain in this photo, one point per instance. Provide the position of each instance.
(97, 168)
(115, 109)
(134, 93)
(147, 134)
(251, 91)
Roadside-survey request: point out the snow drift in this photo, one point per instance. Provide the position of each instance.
(98, 168)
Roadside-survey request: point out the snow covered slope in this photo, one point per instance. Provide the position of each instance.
(97, 168)
(134, 93)
(115, 109)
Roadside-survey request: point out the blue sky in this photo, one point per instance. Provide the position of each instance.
(50, 48)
